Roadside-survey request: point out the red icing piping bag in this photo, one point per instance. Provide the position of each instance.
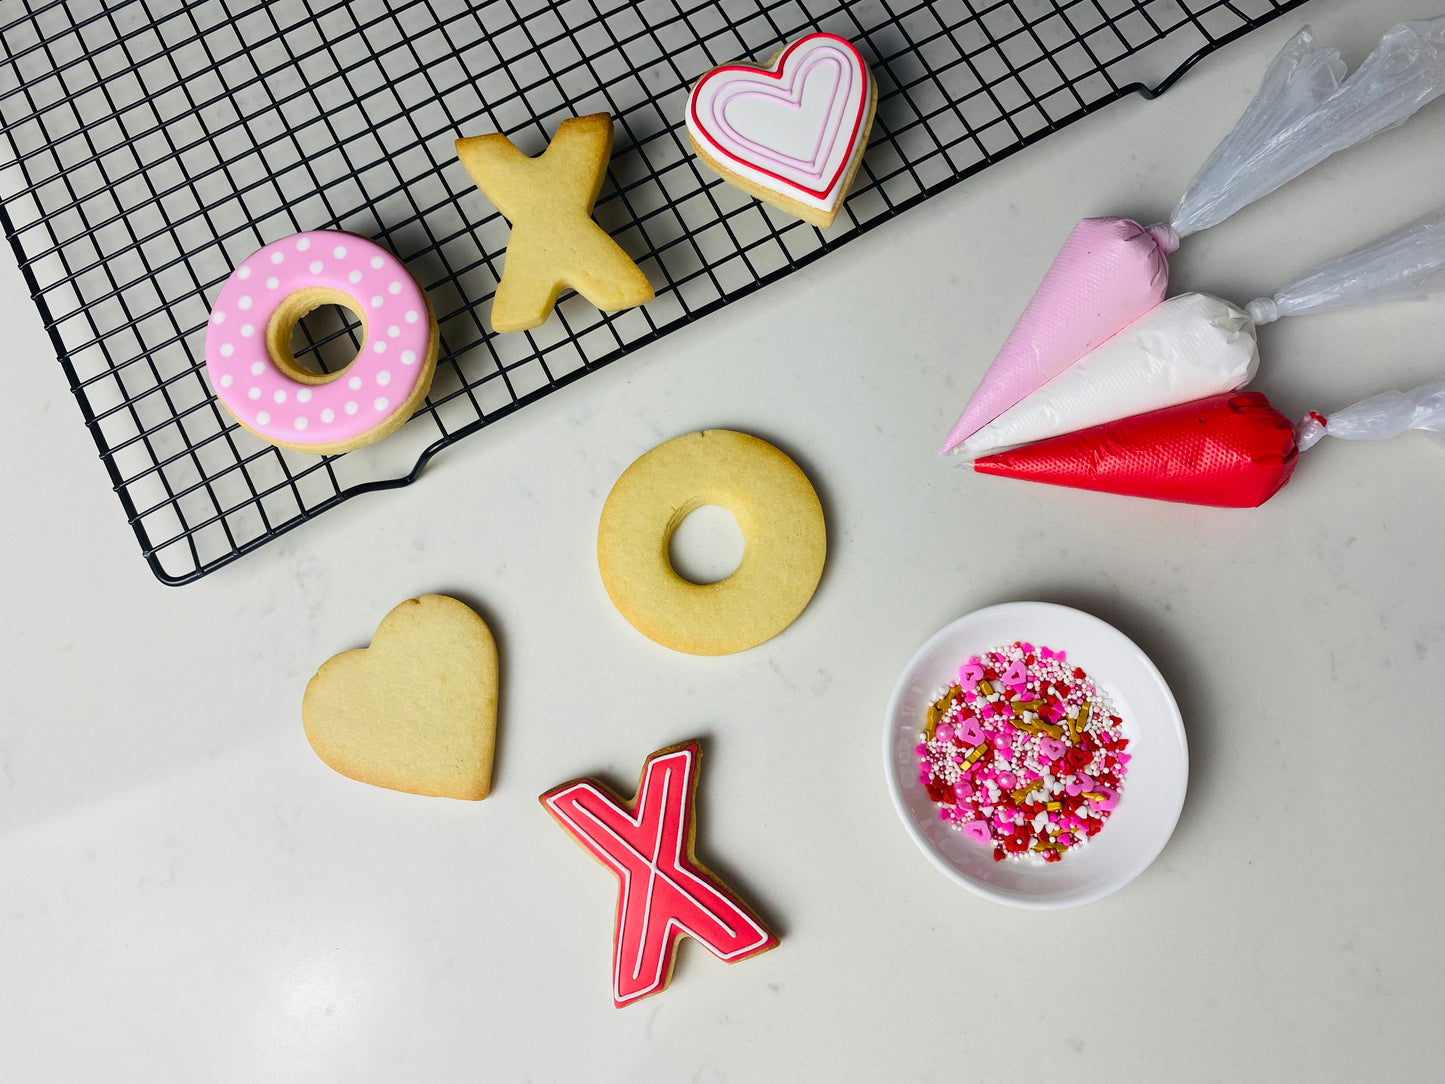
(1228, 451)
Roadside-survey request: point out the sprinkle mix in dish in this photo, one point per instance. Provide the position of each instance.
(1023, 752)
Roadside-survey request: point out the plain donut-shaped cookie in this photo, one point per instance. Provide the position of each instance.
(777, 511)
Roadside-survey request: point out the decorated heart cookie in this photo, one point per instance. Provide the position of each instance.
(417, 710)
(791, 134)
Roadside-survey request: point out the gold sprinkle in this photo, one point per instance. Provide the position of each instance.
(1052, 806)
(939, 708)
(985, 688)
(1078, 724)
(1021, 706)
(1092, 795)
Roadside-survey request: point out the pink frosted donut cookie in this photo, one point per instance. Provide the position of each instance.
(248, 343)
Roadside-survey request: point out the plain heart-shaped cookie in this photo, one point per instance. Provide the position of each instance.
(791, 134)
(417, 710)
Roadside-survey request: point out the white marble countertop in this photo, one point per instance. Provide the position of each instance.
(187, 893)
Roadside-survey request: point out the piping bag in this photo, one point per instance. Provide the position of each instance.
(1194, 345)
(1112, 270)
(1230, 451)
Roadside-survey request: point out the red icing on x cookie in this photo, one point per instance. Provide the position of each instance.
(663, 891)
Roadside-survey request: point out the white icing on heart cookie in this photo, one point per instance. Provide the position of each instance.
(796, 128)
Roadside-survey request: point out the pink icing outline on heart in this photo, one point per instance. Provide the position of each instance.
(791, 94)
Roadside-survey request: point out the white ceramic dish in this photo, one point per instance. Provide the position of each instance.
(1149, 802)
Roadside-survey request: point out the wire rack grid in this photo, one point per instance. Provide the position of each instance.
(150, 145)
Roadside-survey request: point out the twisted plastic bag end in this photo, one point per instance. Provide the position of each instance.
(1165, 236)
(1381, 417)
(1307, 110)
(1262, 310)
(1310, 431)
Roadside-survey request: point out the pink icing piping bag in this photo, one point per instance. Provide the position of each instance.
(1112, 271)
(1109, 273)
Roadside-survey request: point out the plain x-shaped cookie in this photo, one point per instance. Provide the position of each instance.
(554, 242)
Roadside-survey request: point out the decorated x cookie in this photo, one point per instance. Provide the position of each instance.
(664, 892)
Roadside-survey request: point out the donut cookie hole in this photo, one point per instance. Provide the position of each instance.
(327, 355)
(705, 544)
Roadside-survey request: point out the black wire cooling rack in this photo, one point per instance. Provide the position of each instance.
(150, 145)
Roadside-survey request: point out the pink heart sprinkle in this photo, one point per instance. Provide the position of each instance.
(1016, 676)
(977, 830)
(970, 673)
(969, 731)
(1052, 748)
(1046, 653)
(1080, 784)
(1124, 758)
(1108, 802)
(1027, 649)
